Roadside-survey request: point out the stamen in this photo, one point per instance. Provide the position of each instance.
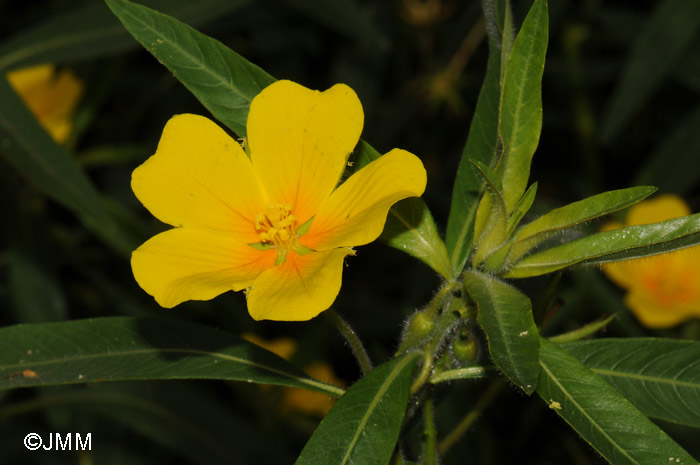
(276, 226)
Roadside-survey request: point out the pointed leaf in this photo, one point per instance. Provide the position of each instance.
(49, 166)
(520, 118)
(661, 377)
(92, 31)
(481, 145)
(124, 348)
(609, 246)
(410, 227)
(601, 415)
(221, 79)
(521, 208)
(363, 426)
(574, 214)
(657, 51)
(505, 314)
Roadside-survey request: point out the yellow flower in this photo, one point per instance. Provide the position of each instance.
(274, 224)
(51, 96)
(663, 290)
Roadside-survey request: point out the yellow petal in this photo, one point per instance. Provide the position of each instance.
(355, 213)
(653, 315)
(661, 208)
(300, 288)
(51, 97)
(300, 140)
(27, 78)
(621, 273)
(200, 177)
(64, 96)
(196, 264)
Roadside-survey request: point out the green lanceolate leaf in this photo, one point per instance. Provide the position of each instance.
(49, 166)
(661, 377)
(221, 79)
(505, 314)
(409, 225)
(609, 246)
(521, 208)
(93, 31)
(574, 214)
(657, 51)
(481, 145)
(111, 349)
(601, 415)
(363, 426)
(520, 118)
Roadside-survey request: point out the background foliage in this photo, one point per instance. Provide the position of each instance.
(620, 100)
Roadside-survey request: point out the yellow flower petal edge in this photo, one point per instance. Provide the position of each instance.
(275, 224)
(663, 290)
(51, 96)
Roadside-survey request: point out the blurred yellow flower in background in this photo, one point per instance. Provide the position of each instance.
(297, 399)
(276, 223)
(50, 95)
(662, 290)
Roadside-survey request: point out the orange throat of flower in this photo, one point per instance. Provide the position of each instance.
(671, 288)
(276, 227)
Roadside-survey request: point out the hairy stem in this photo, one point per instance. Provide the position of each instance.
(353, 340)
(429, 432)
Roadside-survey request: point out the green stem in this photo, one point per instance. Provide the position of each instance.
(425, 371)
(481, 404)
(358, 349)
(429, 431)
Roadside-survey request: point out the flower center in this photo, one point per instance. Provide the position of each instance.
(275, 226)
